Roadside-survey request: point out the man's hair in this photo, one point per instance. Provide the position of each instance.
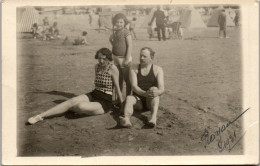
(106, 52)
(223, 10)
(119, 16)
(134, 19)
(150, 50)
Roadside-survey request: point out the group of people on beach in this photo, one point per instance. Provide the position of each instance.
(45, 31)
(144, 81)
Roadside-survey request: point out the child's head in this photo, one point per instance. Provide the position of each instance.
(119, 20)
(84, 33)
(134, 19)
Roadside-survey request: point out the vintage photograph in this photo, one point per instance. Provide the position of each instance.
(130, 80)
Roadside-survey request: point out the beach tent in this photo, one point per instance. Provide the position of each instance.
(191, 18)
(25, 18)
(213, 21)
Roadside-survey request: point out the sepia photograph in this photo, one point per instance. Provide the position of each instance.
(143, 80)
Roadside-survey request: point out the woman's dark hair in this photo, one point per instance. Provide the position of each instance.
(106, 52)
(150, 50)
(119, 16)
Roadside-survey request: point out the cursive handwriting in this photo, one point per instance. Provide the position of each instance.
(222, 144)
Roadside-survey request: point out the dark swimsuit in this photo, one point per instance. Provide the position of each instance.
(103, 84)
(145, 83)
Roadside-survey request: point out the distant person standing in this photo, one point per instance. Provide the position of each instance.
(150, 31)
(222, 22)
(237, 19)
(160, 22)
(90, 16)
(132, 27)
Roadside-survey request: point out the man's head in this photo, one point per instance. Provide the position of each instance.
(146, 55)
(158, 7)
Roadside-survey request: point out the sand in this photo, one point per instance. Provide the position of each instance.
(203, 83)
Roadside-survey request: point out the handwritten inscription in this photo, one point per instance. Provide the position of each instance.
(227, 143)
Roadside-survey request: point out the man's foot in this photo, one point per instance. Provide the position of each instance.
(125, 122)
(221, 37)
(227, 37)
(151, 124)
(35, 119)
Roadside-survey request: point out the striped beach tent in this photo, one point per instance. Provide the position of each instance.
(25, 18)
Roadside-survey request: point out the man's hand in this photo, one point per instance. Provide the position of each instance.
(152, 93)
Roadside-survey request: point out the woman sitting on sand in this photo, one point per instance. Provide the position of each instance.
(99, 100)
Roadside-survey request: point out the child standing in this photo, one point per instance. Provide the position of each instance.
(121, 42)
(132, 27)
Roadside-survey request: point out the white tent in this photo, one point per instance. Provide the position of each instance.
(191, 18)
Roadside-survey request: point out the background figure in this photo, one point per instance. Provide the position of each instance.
(150, 31)
(35, 30)
(160, 22)
(237, 19)
(90, 17)
(54, 31)
(222, 22)
(99, 23)
(132, 27)
(82, 39)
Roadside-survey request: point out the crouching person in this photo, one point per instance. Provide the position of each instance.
(148, 85)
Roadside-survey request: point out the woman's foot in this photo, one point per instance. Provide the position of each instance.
(35, 119)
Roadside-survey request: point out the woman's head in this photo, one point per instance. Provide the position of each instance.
(119, 20)
(103, 55)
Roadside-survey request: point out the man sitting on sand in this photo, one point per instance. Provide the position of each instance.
(148, 84)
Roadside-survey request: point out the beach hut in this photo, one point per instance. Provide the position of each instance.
(25, 18)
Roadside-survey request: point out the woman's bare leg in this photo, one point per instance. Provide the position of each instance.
(65, 106)
(89, 108)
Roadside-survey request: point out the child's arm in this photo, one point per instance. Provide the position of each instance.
(128, 50)
(115, 75)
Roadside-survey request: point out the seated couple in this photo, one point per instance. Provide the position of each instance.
(146, 79)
